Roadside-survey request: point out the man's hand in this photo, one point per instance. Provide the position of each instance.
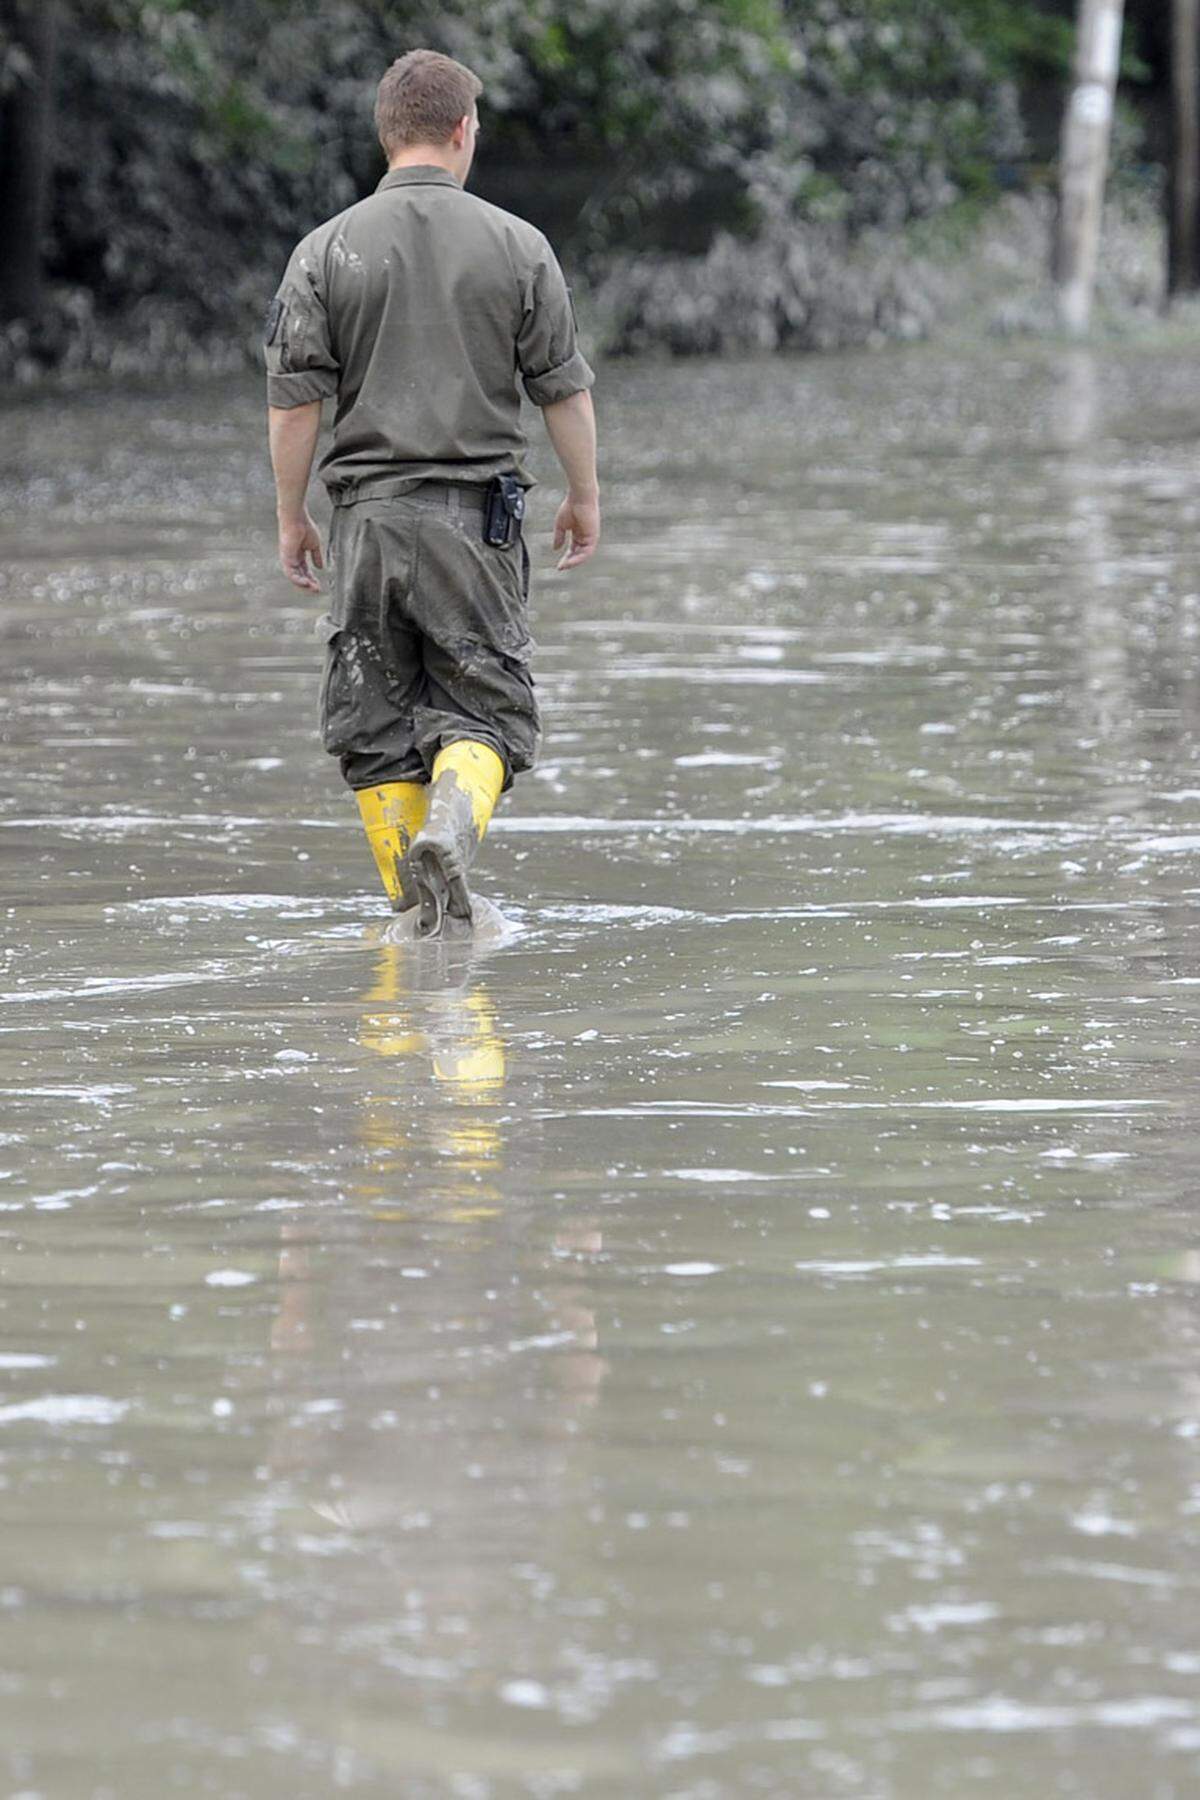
(293, 434)
(572, 427)
(578, 527)
(298, 540)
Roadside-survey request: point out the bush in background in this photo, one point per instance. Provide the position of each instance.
(788, 144)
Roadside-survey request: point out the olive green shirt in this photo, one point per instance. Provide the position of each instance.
(418, 308)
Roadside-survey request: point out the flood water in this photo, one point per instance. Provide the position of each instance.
(741, 1335)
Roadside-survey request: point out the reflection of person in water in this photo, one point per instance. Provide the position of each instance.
(426, 1348)
(453, 1035)
(434, 1365)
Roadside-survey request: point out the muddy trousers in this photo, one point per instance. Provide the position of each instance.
(427, 641)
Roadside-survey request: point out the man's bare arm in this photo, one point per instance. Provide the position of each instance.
(571, 424)
(292, 432)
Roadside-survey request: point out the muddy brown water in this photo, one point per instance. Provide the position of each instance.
(736, 1335)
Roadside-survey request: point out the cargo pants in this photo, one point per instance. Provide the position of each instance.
(427, 640)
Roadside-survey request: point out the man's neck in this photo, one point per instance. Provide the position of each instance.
(422, 156)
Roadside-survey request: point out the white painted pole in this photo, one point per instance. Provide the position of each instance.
(1087, 130)
(1185, 147)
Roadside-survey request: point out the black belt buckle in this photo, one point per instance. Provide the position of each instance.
(503, 510)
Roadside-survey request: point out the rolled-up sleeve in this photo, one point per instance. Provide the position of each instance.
(300, 362)
(551, 363)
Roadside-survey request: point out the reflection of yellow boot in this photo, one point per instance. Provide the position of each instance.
(460, 1144)
(391, 1033)
(467, 779)
(467, 1047)
(392, 815)
(468, 1054)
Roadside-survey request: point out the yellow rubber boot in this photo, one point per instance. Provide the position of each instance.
(392, 815)
(467, 779)
(479, 772)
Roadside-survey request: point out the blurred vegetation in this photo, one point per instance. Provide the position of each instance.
(694, 160)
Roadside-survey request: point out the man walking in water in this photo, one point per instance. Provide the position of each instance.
(418, 308)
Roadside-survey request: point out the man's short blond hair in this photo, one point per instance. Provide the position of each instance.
(421, 99)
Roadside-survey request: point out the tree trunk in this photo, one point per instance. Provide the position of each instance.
(26, 149)
(1184, 269)
(1087, 130)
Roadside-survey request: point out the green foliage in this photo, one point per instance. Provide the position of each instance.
(1020, 41)
(201, 138)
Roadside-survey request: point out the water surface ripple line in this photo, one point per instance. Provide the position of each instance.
(882, 824)
(751, 1109)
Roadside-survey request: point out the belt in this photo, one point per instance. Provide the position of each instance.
(451, 496)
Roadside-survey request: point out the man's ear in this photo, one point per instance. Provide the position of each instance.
(458, 136)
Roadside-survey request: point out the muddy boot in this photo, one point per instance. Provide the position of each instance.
(467, 778)
(392, 815)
